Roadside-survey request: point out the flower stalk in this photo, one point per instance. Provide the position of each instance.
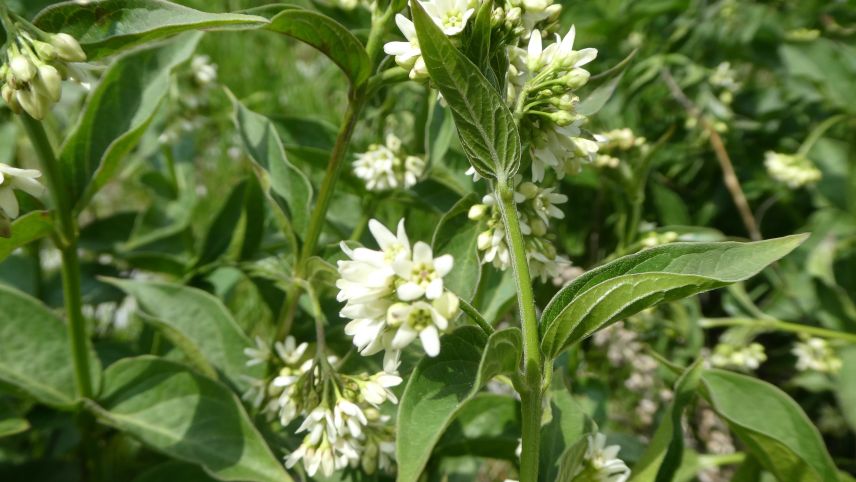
(66, 240)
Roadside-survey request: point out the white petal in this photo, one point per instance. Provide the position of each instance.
(443, 264)
(422, 253)
(430, 341)
(410, 291)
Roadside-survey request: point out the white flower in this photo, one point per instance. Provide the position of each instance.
(408, 55)
(793, 170)
(816, 354)
(423, 275)
(741, 358)
(289, 351)
(422, 319)
(382, 166)
(604, 461)
(204, 72)
(258, 355)
(12, 178)
(450, 15)
(376, 388)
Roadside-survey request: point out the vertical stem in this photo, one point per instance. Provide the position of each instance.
(67, 243)
(532, 393)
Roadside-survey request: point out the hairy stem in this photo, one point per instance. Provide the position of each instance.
(476, 317)
(66, 240)
(531, 395)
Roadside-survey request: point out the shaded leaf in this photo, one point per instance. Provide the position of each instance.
(328, 36)
(109, 26)
(24, 230)
(665, 273)
(186, 416)
(10, 422)
(117, 113)
(457, 235)
(439, 386)
(567, 427)
(485, 126)
(487, 425)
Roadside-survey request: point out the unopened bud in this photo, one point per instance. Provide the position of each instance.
(538, 227)
(8, 94)
(50, 82)
(513, 15)
(45, 51)
(536, 6)
(528, 189)
(22, 68)
(67, 48)
(477, 211)
(553, 12)
(576, 78)
(33, 103)
(562, 118)
(484, 240)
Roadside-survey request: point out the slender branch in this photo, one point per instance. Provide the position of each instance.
(817, 133)
(476, 317)
(66, 240)
(531, 396)
(772, 324)
(729, 177)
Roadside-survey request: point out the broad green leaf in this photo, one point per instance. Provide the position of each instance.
(35, 354)
(456, 235)
(661, 460)
(287, 186)
(774, 429)
(117, 113)
(109, 26)
(567, 426)
(846, 386)
(488, 425)
(24, 230)
(441, 385)
(485, 126)
(497, 294)
(203, 322)
(594, 101)
(175, 472)
(665, 273)
(10, 422)
(329, 37)
(186, 416)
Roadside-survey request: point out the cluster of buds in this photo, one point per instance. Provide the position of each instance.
(792, 170)
(536, 206)
(35, 64)
(542, 82)
(745, 358)
(387, 166)
(815, 354)
(340, 413)
(617, 142)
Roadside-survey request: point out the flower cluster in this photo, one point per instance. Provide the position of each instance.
(614, 143)
(450, 15)
(601, 462)
(12, 178)
(745, 358)
(341, 419)
(542, 82)
(793, 170)
(35, 64)
(395, 294)
(536, 206)
(386, 166)
(815, 354)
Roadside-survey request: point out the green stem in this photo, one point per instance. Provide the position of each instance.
(531, 396)
(772, 324)
(817, 133)
(66, 240)
(476, 317)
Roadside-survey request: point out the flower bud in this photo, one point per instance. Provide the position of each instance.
(484, 240)
(33, 103)
(8, 94)
(44, 50)
(538, 227)
(49, 82)
(513, 15)
(536, 6)
(22, 68)
(561, 117)
(67, 48)
(477, 211)
(576, 78)
(528, 189)
(553, 12)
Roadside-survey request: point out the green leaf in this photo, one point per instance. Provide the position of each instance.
(598, 98)
(117, 113)
(24, 230)
(567, 426)
(35, 353)
(440, 386)
(109, 26)
(662, 458)
(223, 229)
(187, 417)
(457, 235)
(10, 422)
(487, 425)
(287, 186)
(205, 324)
(633, 283)
(328, 36)
(771, 425)
(174, 472)
(846, 386)
(485, 126)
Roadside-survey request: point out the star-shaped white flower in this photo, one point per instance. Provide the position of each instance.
(423, 274)
(12, 178)
(450, 15)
